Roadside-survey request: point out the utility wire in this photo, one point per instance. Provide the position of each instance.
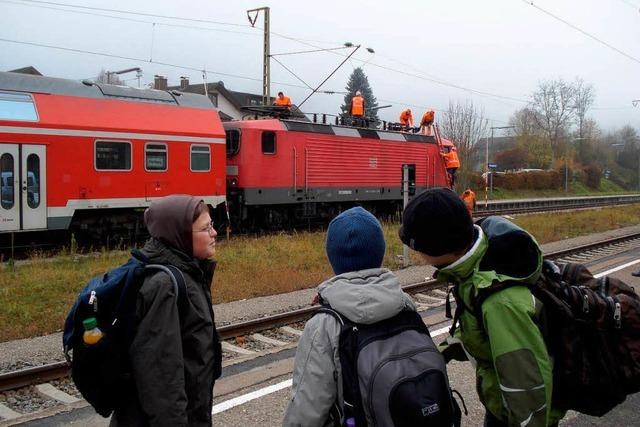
(309, 51)
(167, 64)
(124, 18)
(422, 75)
(292, 73)
(128, 12)
(591, 36)
(297, 40)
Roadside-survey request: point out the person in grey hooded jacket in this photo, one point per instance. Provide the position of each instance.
(361, 291)
(175, 354)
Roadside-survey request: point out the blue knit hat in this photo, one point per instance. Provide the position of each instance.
(355, 241)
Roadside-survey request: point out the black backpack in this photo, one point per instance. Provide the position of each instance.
(592, 331)
(102, 371)
(393, 374)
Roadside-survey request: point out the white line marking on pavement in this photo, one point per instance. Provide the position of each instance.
(618, 268)
(237, 401)
(240, 400)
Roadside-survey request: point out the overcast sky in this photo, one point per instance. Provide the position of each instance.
(500, 47)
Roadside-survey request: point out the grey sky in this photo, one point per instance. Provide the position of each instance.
(502, 47)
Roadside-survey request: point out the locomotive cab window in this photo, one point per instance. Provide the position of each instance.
(155, 157)
(268, 143)
(17, 106)
(200, 158)
(233, 142)
(113, 155)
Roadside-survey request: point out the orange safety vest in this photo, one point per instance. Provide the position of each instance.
(451, 160)
(357, 106)
(469, 199)
(406, 118)
(427, 118)
(285, 101)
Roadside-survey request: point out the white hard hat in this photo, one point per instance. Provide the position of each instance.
(358, 93)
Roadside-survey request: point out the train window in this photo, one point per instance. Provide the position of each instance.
(268, 142)
(17, 106)
(233, 142)
(113, 155)
(33, 181)
(6, 172)
(155, 157)
(200, 158)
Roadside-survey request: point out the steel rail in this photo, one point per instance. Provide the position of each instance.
(44, 373)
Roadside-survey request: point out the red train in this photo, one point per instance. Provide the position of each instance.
(282, 172)
(87, 156)
(90, 157)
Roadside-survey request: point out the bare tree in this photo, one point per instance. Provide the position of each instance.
(553, 103)
(104, 77)
(584, 98)
(464, 124)
(525, 123)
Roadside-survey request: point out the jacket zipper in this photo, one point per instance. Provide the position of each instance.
(381, 365)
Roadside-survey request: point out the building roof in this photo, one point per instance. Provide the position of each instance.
(34, 83)
(27, 70)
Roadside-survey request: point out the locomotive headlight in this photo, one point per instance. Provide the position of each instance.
(233, 182)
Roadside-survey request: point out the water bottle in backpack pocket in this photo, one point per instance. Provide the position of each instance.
(101, 325)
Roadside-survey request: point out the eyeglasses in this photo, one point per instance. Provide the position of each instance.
(207, 229)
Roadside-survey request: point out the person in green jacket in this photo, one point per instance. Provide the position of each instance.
(501, 336)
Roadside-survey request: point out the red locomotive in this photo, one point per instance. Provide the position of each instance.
(282, 172)
(86, 156)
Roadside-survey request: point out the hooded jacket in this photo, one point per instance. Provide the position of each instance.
(513, 369)
(366, 297)
(175, 356)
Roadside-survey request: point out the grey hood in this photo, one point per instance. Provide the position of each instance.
(366, 296)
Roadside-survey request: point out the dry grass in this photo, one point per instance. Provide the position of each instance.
(35, 297)
(551, 227)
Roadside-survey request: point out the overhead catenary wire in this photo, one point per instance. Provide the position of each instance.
(166, 64)
(295, 39)
(422, 75)
(140, 21)
(575, 27)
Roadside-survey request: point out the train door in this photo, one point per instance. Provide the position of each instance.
(412, 178)
(23, 185)
(34, 187)
(10, 203)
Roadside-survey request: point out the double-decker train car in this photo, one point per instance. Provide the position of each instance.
(284, 172)
(89, 157)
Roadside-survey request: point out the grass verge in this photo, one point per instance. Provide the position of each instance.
(35, 296)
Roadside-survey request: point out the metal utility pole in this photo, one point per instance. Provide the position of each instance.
(486, 181)
(266, 72)
(405, 202)
(138, 71)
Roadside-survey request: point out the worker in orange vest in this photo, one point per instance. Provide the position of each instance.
(357, 110)
(406, 118)
(284, 105)
(426, 124)
(469, 199)
(451, 162)
(357, 105)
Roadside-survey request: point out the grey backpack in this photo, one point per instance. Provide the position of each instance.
(393, 374)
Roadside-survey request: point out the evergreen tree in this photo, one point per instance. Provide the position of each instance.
(358, 81)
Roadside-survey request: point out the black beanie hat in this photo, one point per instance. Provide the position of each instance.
(436, 222)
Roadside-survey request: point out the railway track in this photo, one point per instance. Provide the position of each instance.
(22, 244)
(250, 339)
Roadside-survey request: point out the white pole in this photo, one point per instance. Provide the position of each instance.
(405, 193)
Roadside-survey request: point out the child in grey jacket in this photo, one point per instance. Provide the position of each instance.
(361, 291)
